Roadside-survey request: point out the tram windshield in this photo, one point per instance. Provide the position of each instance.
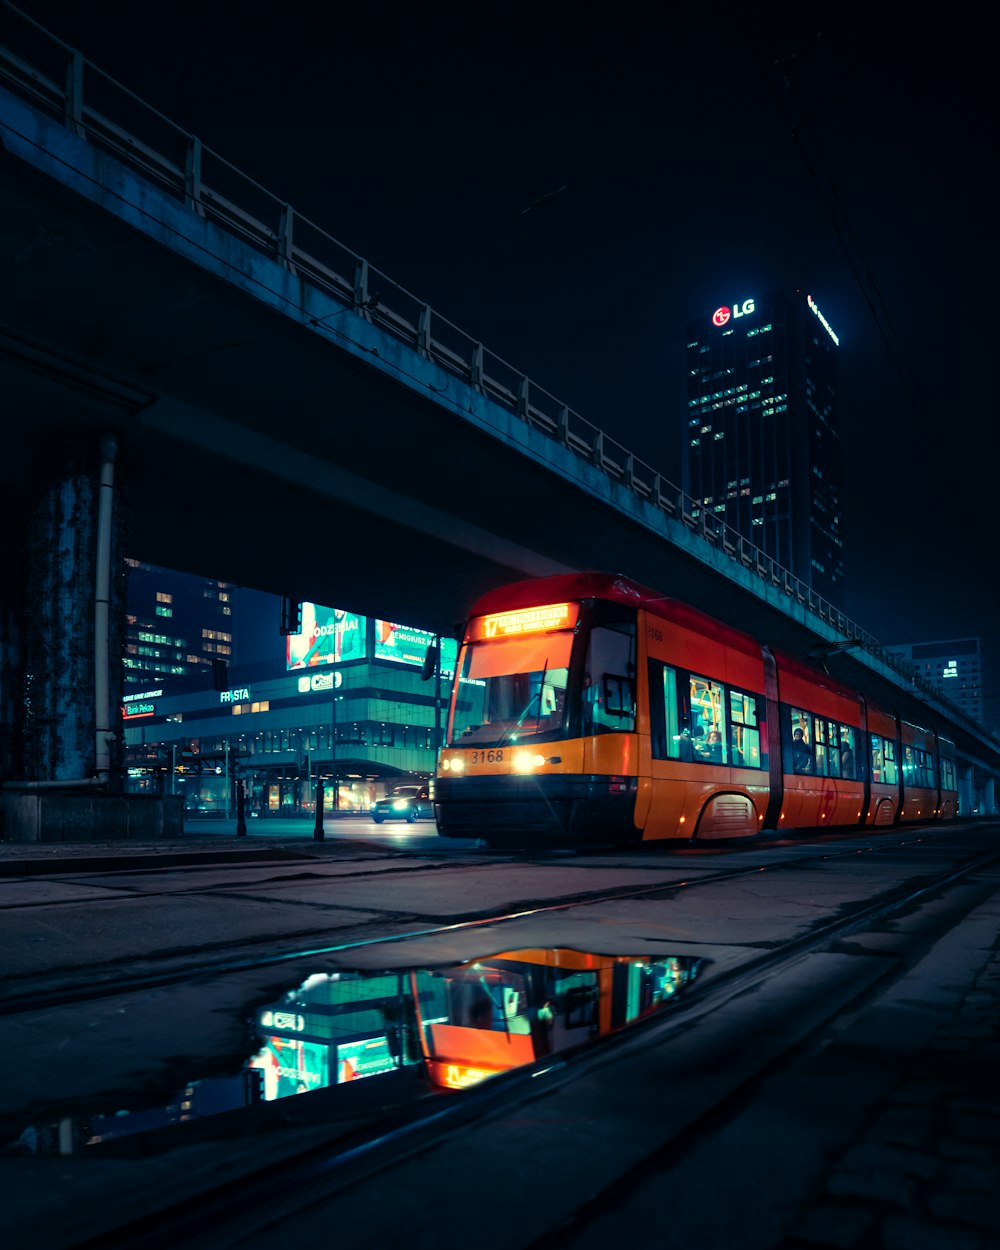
(511, 689)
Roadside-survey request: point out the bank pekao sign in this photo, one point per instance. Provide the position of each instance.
(722, 315)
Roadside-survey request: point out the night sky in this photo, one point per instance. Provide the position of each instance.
(695, 161)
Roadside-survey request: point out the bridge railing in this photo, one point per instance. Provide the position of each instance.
(58, 80)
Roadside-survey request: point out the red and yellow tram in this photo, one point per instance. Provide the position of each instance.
(589, 710)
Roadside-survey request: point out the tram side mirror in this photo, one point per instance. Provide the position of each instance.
(619, 695)
(430, 666)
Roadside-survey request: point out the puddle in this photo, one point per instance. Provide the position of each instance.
(403, 1035)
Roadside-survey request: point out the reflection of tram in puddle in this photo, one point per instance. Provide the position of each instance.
(424, 1031)
(515, 1008)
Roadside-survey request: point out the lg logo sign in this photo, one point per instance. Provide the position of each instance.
(722, 315)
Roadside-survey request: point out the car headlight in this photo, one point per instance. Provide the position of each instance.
(399, 805)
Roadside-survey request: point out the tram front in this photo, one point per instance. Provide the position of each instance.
(541, 745)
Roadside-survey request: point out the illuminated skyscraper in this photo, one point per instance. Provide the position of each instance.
(953, 667)
(176, 625)
(763, 446)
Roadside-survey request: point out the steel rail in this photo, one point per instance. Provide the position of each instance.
(110, 982)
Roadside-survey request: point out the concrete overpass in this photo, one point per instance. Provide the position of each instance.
(292, 420)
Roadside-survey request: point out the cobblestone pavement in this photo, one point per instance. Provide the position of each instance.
(924, 1174)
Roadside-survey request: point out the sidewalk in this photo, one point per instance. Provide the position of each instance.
(924, 1171)
(202, 841)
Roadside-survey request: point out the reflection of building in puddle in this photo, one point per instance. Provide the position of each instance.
(336, 1028)
(449, 1027)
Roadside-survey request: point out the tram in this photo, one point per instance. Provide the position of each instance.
(590, 710)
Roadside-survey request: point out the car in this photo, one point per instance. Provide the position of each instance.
(404, 803)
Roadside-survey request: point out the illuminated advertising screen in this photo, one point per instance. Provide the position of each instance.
(406, 645)
(328, 636)
(292, 1066)
(368, 1057)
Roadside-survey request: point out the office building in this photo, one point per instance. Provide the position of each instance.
(953, 667)
(763, 447)
(176, 625)
(344, 700)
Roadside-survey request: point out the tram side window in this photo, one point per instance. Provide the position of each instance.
(878, 761)
(909, 767)
(947, 774)
(608, 697)
(708, 721)
(819, 746)
(669, 737)
(923, 768)
(802, 742)
(744, 731)
(847, 765)
(883, 752)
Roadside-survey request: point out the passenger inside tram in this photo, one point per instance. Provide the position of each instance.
(711, 748)
(801, 752)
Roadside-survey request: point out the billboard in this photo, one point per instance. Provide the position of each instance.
(406, 645)
(368, 1056)
(328, 636)
(291, 1066)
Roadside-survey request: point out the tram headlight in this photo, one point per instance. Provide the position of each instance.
(455, 764)
(526, 762)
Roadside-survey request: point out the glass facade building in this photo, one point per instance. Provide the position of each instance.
(344, 700)
(176, 625)
(762, 451)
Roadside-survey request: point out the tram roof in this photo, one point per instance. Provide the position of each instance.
(536, 591)
(618, 588)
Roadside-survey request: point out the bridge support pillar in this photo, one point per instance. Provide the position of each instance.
(966, 789)
(63, 651)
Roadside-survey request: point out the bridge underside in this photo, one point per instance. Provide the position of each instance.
(254, 451)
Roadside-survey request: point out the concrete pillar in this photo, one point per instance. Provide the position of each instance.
(966, 789)
(58, 714)
(11, 664)
(62, 641)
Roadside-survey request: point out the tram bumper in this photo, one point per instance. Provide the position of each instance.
(554, 809)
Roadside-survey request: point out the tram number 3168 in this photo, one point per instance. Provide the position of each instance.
(488, 757)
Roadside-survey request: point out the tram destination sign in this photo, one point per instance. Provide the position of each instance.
(527, 621)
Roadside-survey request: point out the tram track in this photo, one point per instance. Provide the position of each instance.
(159, 970)
(249, 1208)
